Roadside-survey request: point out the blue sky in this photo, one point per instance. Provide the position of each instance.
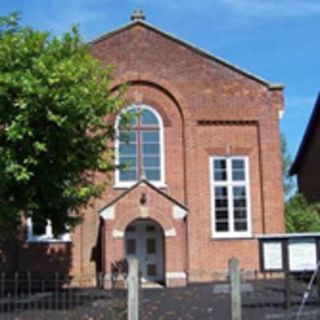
(275, 39)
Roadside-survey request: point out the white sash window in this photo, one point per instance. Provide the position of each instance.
(231, 214)
(42, 232)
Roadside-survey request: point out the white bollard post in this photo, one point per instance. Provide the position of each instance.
(234, 272)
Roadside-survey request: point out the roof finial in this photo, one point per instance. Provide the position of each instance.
(138, 15)
(142, 174)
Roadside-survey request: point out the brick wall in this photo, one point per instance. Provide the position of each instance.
(208, 109)
(241, 115)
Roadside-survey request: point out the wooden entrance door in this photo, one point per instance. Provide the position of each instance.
(144, 240)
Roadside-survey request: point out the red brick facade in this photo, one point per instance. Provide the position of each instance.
(209, 108)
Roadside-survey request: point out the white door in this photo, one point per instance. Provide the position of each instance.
(144, 241)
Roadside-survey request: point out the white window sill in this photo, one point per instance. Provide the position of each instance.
(231, 236)
(44, 239)
(121, 185)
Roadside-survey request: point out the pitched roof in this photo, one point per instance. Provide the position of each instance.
(149, 184)
(272, 86)
(315, 117)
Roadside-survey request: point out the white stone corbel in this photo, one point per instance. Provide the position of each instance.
(117, 233)
(170, 232)
(144, 212)
(178, 212)
(108, 213)
(176, 275)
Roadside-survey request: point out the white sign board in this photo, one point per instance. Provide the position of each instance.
(302, 255)
(272, 255)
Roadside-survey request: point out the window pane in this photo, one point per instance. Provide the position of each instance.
(131, 229)
(151, 148)
(39, 227)
(147, 117)
(220, 192)
(128, 136)
(150, 228)
(237, 164)
(219, 164)
(129, 162)
(131, 246)
(150, 136)
(239, 192)
(152, 174)
(240, 226)
(151, 246)
(221, 214)
(127, 149)
(152, 270)
(220, 175)
(151, 162)
(238, 175)
(240, 203)
(240, 214)
(222, 226)
(221, 203)
(128, 175)
(130, 117)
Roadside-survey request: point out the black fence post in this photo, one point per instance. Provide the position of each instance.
(16, 292)
(287, 283)
(2, 290)
(29, 289)
(56, 280)
(318, 271)
(16, 285)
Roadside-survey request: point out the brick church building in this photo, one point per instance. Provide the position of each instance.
(202, 175)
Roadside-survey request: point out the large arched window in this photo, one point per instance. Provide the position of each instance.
(140, 149)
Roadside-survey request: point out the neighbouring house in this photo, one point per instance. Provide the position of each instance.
(306, 163)
(202, 176)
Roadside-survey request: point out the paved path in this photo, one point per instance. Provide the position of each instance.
(263, 302)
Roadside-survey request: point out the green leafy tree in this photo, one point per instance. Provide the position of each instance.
(288, 182)
(54, 100)
(302, 216)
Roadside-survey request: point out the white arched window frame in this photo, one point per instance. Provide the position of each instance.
(138, 132)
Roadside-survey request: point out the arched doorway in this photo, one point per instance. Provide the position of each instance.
(144, 240)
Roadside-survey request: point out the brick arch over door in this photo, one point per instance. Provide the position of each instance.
(135, 213)
(163, 85)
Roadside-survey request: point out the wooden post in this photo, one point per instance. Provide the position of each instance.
(234, 273)
(133, 289)
(286, 268)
